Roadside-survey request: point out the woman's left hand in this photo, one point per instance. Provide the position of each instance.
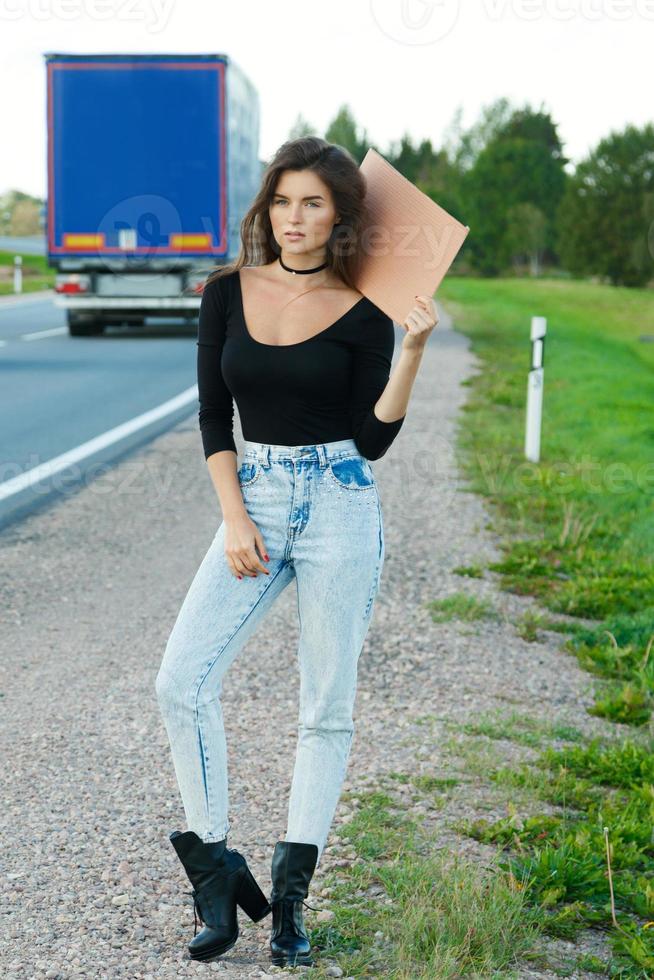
(419, 323)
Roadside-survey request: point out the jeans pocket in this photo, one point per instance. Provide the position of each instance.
(249, 472)
(352, 473)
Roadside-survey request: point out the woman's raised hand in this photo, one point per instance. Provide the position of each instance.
(419, 323)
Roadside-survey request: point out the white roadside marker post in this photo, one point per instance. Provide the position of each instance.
(18, 273)
(535, 389)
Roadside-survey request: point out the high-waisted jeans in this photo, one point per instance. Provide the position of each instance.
(318, 509)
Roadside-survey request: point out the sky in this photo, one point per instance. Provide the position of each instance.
(402, 66)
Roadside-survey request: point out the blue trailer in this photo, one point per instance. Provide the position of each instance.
(152, 163)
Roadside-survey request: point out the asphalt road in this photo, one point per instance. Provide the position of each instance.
(58, 393)
(28, 244)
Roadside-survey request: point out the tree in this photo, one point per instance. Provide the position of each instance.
(522, 163)
(605, 218)
(20, 213)
(464, 146)
(526, 232)
(536, 126)
(343, 130)
(301, 127)
(430, 170)
(25, 218)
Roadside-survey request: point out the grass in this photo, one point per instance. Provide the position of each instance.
(469, 571)
(37, 274)
(578, 525)
(620, 651)
(577, 528)
(404, 910)
(577, 533)
(519, 728)
(604, 789)
(461, 606)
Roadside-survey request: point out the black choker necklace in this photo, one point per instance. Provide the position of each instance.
(302, 272)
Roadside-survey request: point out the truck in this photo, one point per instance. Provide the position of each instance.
(152, 163)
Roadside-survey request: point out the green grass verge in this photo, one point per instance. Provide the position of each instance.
(577, 527)
(37, 274)
(577, 532)
(605, 790)
(404, 910)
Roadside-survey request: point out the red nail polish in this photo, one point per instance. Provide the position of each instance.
(266, 558)
(240, 576)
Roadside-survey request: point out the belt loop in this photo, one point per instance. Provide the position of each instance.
(262, 454)
(322, 455)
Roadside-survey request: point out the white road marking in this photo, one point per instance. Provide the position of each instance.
(37, 334)
(38, 473)
(10, 304)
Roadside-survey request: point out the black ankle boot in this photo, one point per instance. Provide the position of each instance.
(221, 880)
(293, 864)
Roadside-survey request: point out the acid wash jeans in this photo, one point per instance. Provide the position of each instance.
(318, 509)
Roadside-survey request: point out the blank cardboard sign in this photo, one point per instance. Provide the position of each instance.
(409, 242)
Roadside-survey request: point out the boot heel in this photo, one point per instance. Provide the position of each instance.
(251, 899)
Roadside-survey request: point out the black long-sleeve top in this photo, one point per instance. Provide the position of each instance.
(317, 390)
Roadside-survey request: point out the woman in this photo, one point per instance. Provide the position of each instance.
(307, 358)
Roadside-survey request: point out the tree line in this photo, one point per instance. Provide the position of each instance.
(508, 178)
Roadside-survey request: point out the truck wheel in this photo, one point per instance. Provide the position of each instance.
(84, 325)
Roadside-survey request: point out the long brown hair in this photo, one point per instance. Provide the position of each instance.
(339, 170)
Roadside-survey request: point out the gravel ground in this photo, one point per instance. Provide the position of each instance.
(90, 590)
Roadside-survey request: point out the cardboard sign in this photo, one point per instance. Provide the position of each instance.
(409, 243)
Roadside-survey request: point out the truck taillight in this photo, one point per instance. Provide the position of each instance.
(195, 285)
(73, 282)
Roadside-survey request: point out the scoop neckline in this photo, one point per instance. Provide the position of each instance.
(298, 343)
